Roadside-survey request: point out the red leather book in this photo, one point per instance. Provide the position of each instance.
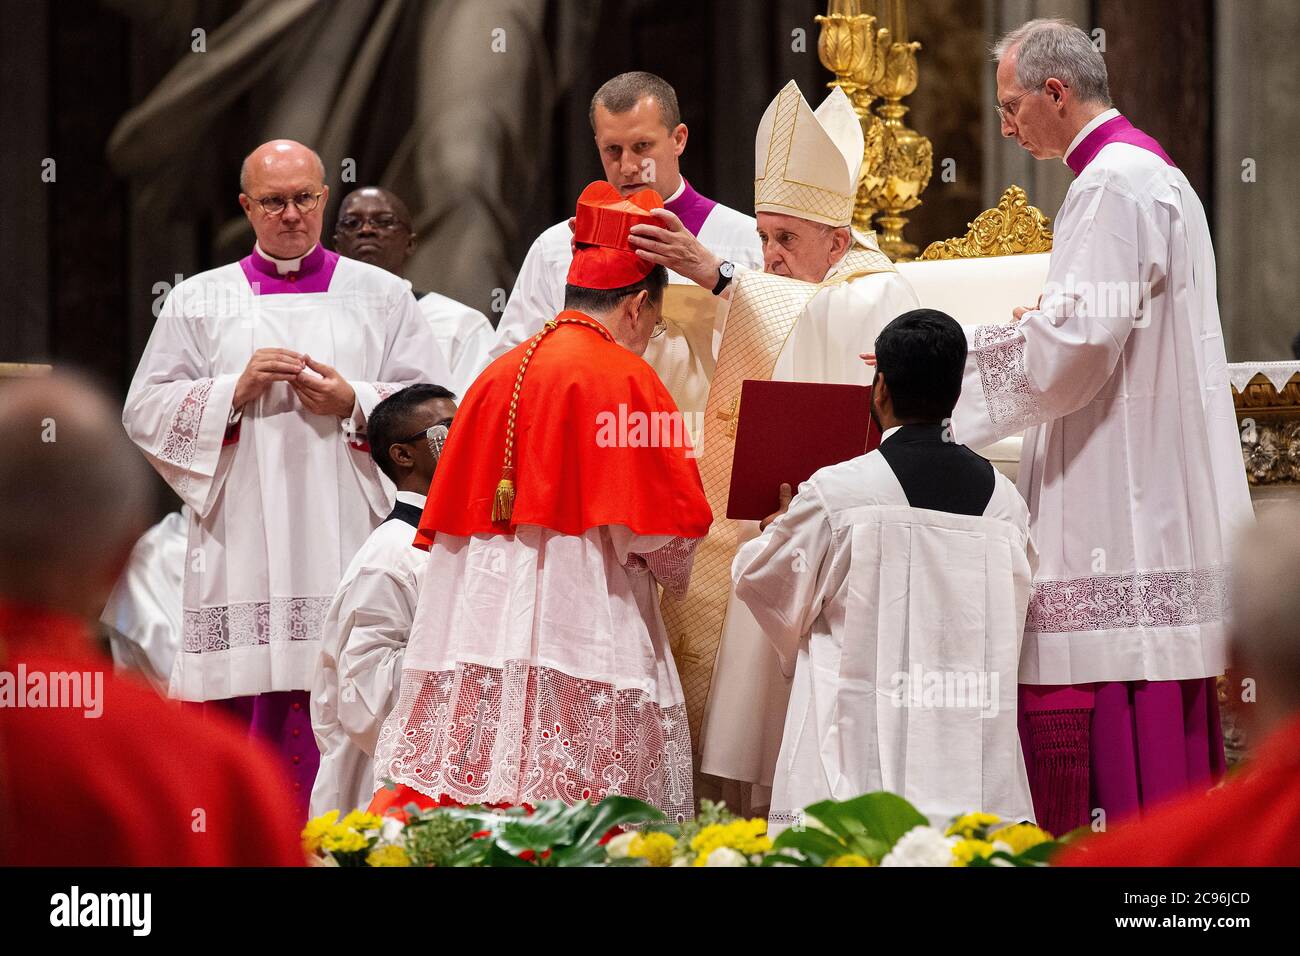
(786, 431)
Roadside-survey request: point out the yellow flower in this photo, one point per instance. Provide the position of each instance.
(315, 830)
(1021, 836)
(967, 824)
(389, 855)
(967, 850)
(848, 859)
(743, 836)
(361, 821)
(343, 840)
(656, 848)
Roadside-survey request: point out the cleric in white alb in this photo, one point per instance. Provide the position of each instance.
(640, 137)
(1131, 463)
(375, 226)
(251, 401)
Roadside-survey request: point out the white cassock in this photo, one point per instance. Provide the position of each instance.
(1131, 463)
(281, 499)
(464, 335)
(360, 668)
(546, 655)
(746, 708)
(144, 610)
(868, 602)
(538, 295)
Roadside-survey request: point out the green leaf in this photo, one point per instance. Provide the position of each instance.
(884, 816)
(817, 845)
(776, 859)
(617, 810)
(1043, 852)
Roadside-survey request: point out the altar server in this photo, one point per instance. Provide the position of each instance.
(251, 401)
(894, 590)
(360, 666)
(1131, 462)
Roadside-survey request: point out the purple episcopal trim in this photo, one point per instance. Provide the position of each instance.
(1117, 130)
(691, 208)
(314, 276)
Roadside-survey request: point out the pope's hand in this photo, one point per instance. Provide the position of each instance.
(869, 358)
(672, 246)
(786, 494)
(1019, 311)
(323, 390)
(264, 367)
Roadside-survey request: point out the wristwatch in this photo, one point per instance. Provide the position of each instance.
(726, 271)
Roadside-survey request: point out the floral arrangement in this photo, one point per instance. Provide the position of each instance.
(876, 829)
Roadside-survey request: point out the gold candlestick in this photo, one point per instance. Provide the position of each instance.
(848, 46)
(895, 186)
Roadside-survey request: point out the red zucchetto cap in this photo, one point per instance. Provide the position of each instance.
(603, 258)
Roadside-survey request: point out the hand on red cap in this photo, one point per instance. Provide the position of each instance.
(672, 246)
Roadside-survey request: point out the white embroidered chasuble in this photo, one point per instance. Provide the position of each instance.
(282, 498)
(1131, 463)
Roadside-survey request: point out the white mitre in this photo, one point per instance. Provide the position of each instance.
(806, 163)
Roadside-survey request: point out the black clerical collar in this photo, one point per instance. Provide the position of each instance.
(919, 432)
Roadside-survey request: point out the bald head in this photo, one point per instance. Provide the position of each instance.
(1266, 610)
(74, 493)
(284, 170)
(280, 156)
(374, 226)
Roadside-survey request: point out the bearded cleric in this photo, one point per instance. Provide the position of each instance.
(538, 666)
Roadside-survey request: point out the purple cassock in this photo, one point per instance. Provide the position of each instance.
(1117, 746)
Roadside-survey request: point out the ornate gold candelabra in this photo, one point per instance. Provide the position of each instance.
(871, 64)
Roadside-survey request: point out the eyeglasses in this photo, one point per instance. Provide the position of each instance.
(435, 435)
(383, 223)
(1005, 111)
(275, 205)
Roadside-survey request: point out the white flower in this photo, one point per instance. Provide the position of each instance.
(726, 856)
(616, 849)
(392, 830)
(921, 846)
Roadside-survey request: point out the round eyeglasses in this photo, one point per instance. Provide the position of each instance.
(305, 201)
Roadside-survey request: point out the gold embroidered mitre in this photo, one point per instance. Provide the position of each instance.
(806, 163)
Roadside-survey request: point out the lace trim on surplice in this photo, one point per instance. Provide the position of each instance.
(525, 733)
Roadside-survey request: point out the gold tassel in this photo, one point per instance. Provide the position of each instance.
(503, 503)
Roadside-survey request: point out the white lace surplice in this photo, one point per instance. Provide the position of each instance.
(538, 668)
(1131, 463)
(278, 512)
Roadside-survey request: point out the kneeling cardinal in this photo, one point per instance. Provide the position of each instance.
(538, 666)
